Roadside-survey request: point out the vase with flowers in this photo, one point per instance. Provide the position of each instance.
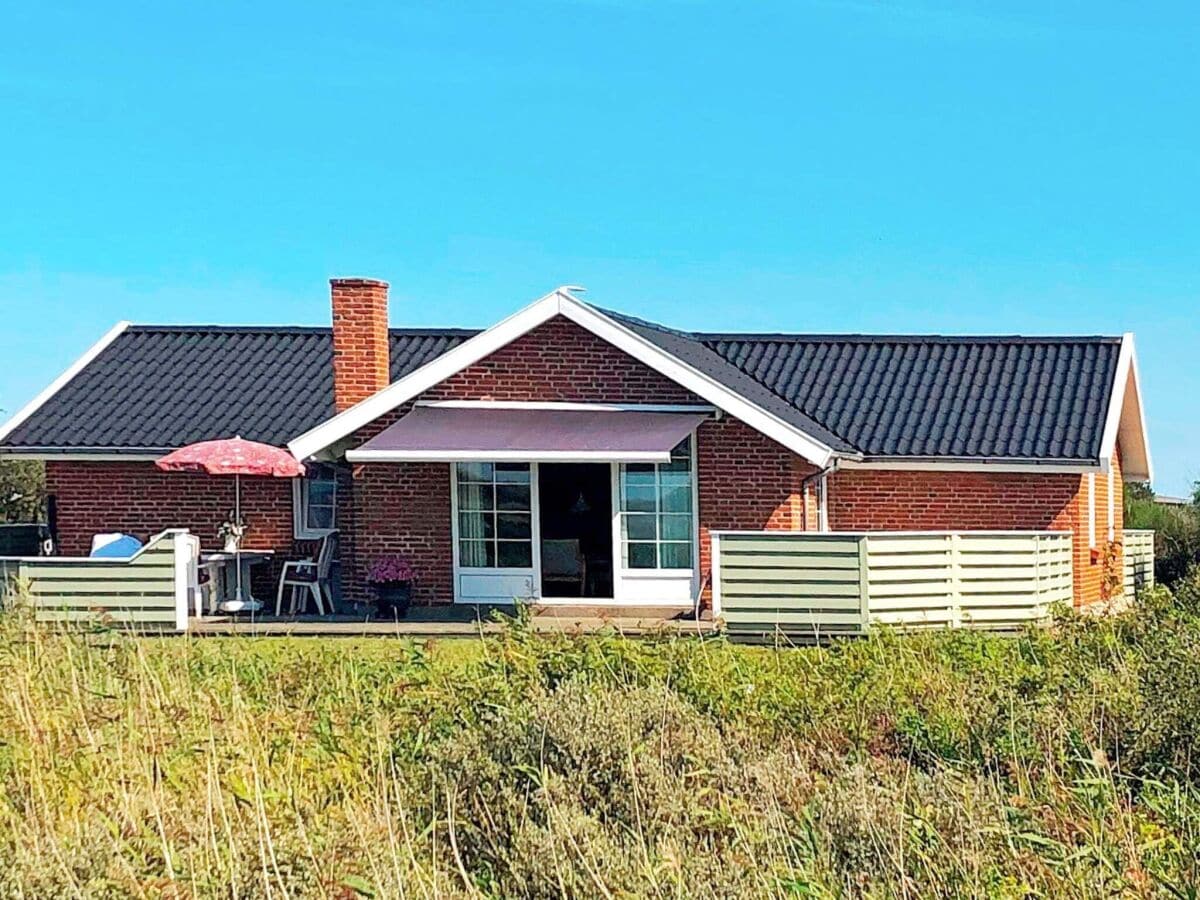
(393, 577)
(231, 531)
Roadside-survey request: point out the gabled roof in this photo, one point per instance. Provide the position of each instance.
(857, 399)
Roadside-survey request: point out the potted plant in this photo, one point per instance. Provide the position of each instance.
(393, 577)
(231, 531)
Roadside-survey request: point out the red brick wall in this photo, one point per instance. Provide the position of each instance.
(136, 498)
(560, 361)
(900, 501)
(360, 339)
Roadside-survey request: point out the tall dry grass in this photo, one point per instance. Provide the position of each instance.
(1055, 764)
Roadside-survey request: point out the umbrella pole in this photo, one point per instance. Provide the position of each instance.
(237, 521)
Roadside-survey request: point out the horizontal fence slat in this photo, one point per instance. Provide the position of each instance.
(104, 601)
(791, 617)
(840, 604)
(795, 542)
(799, 589)
(116, 616)
(735, 560)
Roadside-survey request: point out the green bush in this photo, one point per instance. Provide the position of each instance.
(1176, 532)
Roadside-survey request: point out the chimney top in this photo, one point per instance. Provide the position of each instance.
(357, 280)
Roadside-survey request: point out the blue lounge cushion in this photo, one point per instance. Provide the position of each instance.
(120, 547)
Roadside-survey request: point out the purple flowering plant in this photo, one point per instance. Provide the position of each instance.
(390, 569)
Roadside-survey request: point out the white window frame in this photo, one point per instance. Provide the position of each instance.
(300, 527)
(534, 524)
(693, 513)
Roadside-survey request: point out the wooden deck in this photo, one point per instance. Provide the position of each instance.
(456, 621)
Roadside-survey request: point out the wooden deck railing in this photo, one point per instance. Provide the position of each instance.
(809, 585)
(149, 590)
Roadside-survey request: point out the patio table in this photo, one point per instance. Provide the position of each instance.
(221, 567)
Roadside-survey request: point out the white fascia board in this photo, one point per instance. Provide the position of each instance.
(998, 466)
(1127, 417)
(367, 456)
(697, 382)
(558, 302)
(465, 354)
(60, 382)
(554, 404)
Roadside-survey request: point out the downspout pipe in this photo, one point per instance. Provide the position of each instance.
(808, 479)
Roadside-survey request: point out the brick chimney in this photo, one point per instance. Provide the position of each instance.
(360, 339)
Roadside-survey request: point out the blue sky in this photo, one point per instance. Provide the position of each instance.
(812, 166)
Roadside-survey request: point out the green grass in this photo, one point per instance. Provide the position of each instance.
(1059, 763)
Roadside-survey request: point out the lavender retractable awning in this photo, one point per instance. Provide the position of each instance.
(529, 434)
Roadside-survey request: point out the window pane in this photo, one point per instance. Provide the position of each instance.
(320, 517)
(475, 496)
(320, 493)
(512, 496)
(513, 525)
(675, 556)
(512, 473)
(675, 527)
(639, 498)
(477, 554)
(474, 471)
(476, 525)
(676, 491)
(640, 556)
(639, 527)
(515, 554)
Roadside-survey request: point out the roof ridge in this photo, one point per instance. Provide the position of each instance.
(850, 338)
(288, 329)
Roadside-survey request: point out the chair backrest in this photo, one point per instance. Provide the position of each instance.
(562, 557)
(327, 554)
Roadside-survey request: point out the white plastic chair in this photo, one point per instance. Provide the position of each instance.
(311, 575)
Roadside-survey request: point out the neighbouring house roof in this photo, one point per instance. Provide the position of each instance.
(864, 398)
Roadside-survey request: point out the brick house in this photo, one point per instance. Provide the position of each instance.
(577, 455)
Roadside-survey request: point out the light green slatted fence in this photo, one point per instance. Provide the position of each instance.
(809, 586)
(797, 584)
(1139, 560)
(149, 590)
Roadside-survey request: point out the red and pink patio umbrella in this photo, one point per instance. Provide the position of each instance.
(236, 457)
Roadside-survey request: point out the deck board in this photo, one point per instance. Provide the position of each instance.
(426, 626)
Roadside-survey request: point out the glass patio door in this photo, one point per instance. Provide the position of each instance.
(494, 531)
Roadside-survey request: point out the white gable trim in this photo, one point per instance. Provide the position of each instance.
(61, 381)
(558, 302)
(1126, 420)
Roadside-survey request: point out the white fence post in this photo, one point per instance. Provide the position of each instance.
(955, 580)
(715, 540)
(864, 581)
(181, 545)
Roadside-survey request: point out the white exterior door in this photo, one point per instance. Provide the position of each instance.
(495, 531)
